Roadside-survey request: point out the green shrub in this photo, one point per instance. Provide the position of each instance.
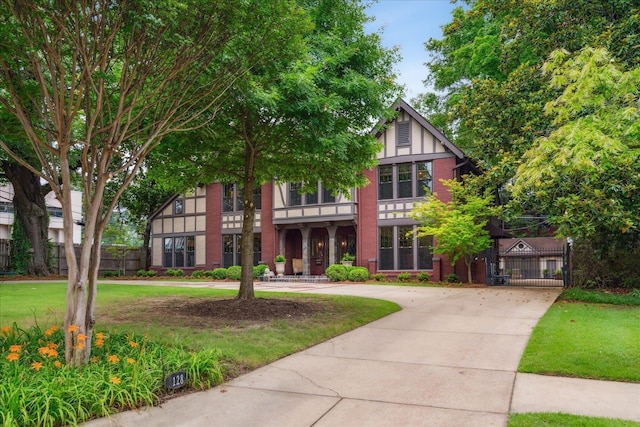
(258, 270)
(404, 277)
(198, 274)
(234, 272)
(175, 272)
(111, 274)
(379, 277)
(336, 272)
(219, 273)
(452, 278)
(423, 276)
(146, 273)
(358, 274)
(209, 274)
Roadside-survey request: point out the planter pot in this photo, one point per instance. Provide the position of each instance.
(280, 268)
(347, 263)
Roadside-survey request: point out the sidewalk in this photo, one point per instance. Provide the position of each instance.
(449, 358)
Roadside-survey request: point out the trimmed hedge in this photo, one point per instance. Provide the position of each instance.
(336, 272)
(219, 273)
(358, 274)
(234, 272)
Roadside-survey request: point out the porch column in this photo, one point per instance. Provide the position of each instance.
(305, 232)
(331, 229)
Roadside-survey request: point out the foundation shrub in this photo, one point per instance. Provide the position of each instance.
(258, 270)
(423, 276)
(219, 273)
(234, 272)
(358, 274)
(175, 272)
(379, 277)
(336, 273)
(404, 277)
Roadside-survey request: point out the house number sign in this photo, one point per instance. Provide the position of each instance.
(176, 380)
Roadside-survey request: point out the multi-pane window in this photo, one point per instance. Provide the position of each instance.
(232, 249)
(228, 191)
(178, 206)
(295, 197)
(424, 178)
(327, 197)
(233, 198)
(399, 248)
(385, 182)
(405, 248)
(404, 180)
(179, 251)
(425, 252)
(386, 248)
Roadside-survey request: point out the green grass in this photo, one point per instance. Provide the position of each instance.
(585, 340)
(246, 346)
(565, 420)
(601, 297)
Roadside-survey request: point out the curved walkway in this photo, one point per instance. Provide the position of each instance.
(449, 358)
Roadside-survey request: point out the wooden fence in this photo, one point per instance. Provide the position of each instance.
(111, 260)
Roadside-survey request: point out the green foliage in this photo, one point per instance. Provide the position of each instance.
(379, 277)
(358, 274)
(423, 276)
(198, 274)
(175, 272)
(258, 270)
(538, 419)
(234, 272)
(585, 173)
(404, 277)
(347, 257)
(458, 227)
(126, 372)
(219, 273)
(279, 258)
(111, 273)
(587, 341)
(452, 278)
(601, 297)
(20, 245)
(146, 273)
(336, 273)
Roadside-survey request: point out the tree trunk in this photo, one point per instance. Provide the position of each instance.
(468, 260)
(144, 250)
(248, 216)
(31, 211)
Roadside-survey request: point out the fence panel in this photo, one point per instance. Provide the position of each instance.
(111, 261)
(541, 267)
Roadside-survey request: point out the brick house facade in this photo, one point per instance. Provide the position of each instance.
(201, 230)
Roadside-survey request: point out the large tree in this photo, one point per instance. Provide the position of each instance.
(305, 117)
(98, 83)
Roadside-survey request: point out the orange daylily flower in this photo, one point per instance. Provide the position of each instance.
(73, 328)
(36, 365)
(50, 331)
(115, 380)
(82, 337)
(133, 344)
(113, 359)
(15, 348)
(79, 346)
(12, 357)
(44, 351)
(6, 329)
(99, 343)
(131, 361)
(99, 336)
(57, 364)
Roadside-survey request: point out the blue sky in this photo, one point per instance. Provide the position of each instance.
(408, 24)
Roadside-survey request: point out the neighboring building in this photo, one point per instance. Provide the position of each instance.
(532, 257)
(202, 230)
(56, 228)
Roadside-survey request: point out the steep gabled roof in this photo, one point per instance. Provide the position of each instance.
(402, 105)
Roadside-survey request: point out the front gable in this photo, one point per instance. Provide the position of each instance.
(410, 134)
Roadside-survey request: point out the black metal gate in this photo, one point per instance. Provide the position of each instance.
(524, 263)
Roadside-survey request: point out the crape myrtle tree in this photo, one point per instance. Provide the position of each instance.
(98, 83)
(457, 227)
(305, 117)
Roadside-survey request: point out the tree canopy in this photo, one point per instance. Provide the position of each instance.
(95, 85)
(305, 117)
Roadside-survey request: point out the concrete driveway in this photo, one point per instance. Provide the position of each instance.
(448, 358)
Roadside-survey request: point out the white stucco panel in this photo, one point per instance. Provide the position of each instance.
(157, 251)
(201, 223)
(201, 252)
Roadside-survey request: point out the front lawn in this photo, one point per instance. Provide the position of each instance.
(142, 334)
(544, 419)
(586, 340)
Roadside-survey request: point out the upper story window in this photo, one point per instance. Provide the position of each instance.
(233, 198)
(178, 206)
(405, 180)
(403, 133)
(385, 182)
(321, 195)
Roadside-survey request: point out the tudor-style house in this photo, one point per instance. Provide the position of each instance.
(202, 229)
